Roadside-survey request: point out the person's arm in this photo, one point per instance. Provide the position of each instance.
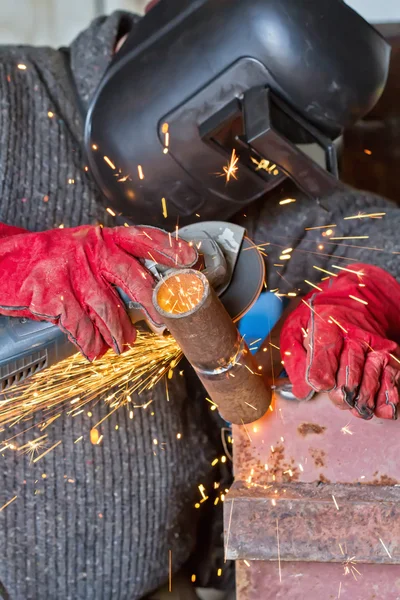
(322, 236)
(344, 339)
(67, 277)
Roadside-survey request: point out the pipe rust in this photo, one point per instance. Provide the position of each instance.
(210, 341)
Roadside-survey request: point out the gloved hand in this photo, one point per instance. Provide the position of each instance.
(336, 344)
(66, 276)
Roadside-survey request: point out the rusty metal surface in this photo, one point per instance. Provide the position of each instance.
(313, 581)
(210, 341)
(314, 521)
(315, 451)
(315, 441)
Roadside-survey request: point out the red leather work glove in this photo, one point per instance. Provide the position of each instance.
(66, 276)
(337, 344)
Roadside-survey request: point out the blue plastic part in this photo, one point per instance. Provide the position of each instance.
(260, 319)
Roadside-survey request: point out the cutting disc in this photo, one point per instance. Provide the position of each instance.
(247, 281)
(246, 267)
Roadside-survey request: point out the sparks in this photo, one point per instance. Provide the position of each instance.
(336, 504)
(109, 162)
(358, 299)
(231, 169)
(346, 430)
(355, 237)
(164, 207)
(324, 271)
(338, 324)
(53, 389)
(111, 212)
(319, 227)
(33, 446)
(211, 402)
(22, 67)
(47, 451)
(140, 172)
(313, 285)
(369, 216)
(348, 565)
(386, 550)
(8, 503)
(287, 201)
(359, 273)
(251, 406)
(123, 178)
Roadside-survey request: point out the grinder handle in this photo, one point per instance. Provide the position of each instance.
(27, 346)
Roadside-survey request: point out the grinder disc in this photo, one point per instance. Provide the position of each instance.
(247, 281)
(244, 263)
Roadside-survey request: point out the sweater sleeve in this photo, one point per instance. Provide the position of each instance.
(331, 235)
(93, 49)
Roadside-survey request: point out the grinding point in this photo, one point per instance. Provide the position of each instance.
(246, 283)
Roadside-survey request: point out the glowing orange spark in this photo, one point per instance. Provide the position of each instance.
(369, 216)
(140, 172)
(123, 179)
(251, 406)
(355, 237)
(338, 324)
(164, 207)
(313, 285)
(387, 551)
(358, 299)
(346, 430)
(8, 503)
(287, 201)
(22, 67)
(359, 273)
(324, 271)
(47, 451)
(245, 428)
(231, 170)
(319, 227)
(108, 161)
(111, 212)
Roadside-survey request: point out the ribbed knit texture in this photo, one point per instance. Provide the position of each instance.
(279, 227)
(100, 525)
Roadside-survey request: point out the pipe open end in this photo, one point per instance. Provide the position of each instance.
(180, 293)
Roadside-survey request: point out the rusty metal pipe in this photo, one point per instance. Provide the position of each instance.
(210, 341)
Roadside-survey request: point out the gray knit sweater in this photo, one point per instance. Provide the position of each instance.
(101, 523)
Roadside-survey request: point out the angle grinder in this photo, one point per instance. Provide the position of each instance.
(230, 261)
